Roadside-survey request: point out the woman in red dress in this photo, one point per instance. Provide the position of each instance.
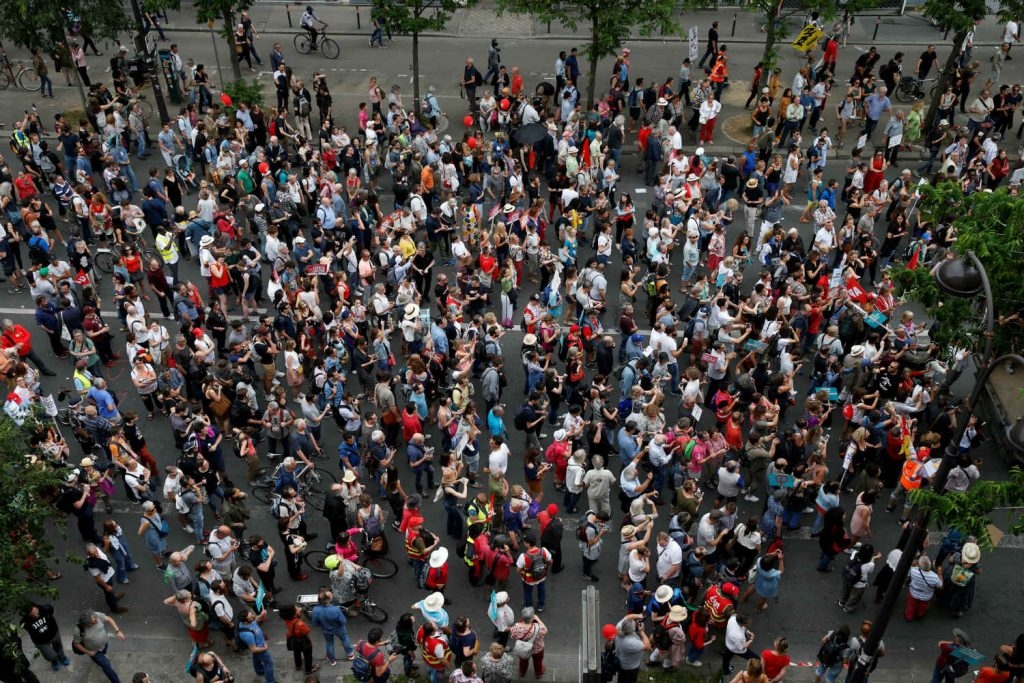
(876, 172)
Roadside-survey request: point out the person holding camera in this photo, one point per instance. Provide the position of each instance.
(631, 642)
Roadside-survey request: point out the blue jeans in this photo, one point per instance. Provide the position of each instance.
(329, 644)
(140, 144)
(693, 653)
(437, 676)
(263, 665)
(195, 517)
(45, 85)
(831, 673)
(122, 563)
(102, 662)
(825, 561)
(129, 175)
(819, 523)
(542, 594)
(570, 500)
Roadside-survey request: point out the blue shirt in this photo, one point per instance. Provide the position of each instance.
(105, 406)
(495, 425)
(251, 634)
(876, 105)
(627, 447)
(330, 619)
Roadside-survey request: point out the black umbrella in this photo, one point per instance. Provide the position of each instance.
(530, 133)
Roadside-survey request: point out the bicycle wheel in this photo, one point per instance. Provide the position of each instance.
(64, 416)
(302, 43)
(29, 80)
(315, 499)
(105, 261)
(329, 48)
(380, 566)
(147, 109)
(314, 559)
(264, 494)
(149, 254)
(371, 611)
(320, 480)
(442, 124)
(5, 80)
(906, 89)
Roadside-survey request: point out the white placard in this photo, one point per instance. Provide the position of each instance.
(693, 39)
(862, 142)
(696, 412)
(895, 140)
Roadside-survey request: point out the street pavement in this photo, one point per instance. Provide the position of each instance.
(156, 642)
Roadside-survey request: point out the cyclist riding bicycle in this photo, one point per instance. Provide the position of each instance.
(349, 581)
(311, 24)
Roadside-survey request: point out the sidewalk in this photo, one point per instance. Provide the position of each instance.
(737, 25)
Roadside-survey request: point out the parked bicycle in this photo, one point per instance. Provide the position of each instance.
(380, 566)
(328, 46)
(25, 76)
(314, 483)
(106, 258)
(912, 88)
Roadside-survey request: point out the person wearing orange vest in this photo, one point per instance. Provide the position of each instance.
(719, 73)
(721, 603)
(417, 549)
(911, 478)
(434, 649)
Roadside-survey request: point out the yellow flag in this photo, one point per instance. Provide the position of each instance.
(808, 38)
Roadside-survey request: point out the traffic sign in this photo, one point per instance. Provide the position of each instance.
(808, 38)
(693, 38)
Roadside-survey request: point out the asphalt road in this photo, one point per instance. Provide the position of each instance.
(807, 609)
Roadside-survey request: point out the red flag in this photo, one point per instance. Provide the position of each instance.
(855, 291)
(914, 257)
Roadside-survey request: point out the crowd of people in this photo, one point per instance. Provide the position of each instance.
(398, 320)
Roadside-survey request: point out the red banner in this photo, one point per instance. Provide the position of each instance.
(855, 291)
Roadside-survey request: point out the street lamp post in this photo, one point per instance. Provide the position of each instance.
(961, 277)
(141, 48)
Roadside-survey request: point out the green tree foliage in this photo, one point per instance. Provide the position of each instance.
(606, 24)
(971, 512)
(225, 11)
(29, 522)
(44, 23)
(959, 17)
(784, 13)
(412, 18)
(244, 91)
(991, 224)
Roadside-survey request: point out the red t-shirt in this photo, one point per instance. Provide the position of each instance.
(988, 674)
(773, 663)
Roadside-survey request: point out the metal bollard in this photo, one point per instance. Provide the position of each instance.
(733, 32)
(359, 23)
(288, 13)
(878, 22)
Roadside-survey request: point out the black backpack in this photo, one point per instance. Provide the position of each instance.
(661, 637)
(519, 419)
(957, 667)
(831, 651)
(851, 572)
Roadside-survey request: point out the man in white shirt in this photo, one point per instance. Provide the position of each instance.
(825, 238)
(574, 474)
(497, 459)
(670, 558)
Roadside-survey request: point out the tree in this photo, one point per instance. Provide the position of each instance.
(608, 24)
(991, 224)
(778, 30)
(411, 19)
(960, 18)
(970, 512)
(29, 520)
(212, 11)
(45, 23)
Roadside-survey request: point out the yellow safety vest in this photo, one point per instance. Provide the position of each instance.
(85, 380)
(166, 247)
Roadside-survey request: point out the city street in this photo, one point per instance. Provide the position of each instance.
(155, 638)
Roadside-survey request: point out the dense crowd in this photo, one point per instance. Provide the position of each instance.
(668, 394)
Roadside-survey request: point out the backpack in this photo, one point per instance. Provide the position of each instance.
(536, 566)
(634, 98)
(610, 665)
(239, 627)
(831, 651)
(371, 527)
(362, 670)
(581, 528)
(851, 572)
(660, 636)
(519, 419)
(957, 667)
(304, 107)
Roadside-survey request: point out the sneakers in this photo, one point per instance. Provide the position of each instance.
(189, 530)
(697, 663)
(751, 499)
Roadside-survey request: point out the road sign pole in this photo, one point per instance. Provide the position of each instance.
(150, 60)
(216, 54)
(878, 22)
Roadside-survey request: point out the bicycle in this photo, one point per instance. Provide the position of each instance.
(380, 566)
(107, 258)
(911, 89)
(328, 46)
(26, 77)
(362, 605)
(313, 486)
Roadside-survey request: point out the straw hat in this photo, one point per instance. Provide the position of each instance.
(433, 602)
(437, 560)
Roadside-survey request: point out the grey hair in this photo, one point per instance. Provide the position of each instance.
(924, 564)
(527, 614)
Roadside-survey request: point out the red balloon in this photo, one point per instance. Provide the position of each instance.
(225, 99)
(468, 120)
(264, 167)
(608, 631)
(472, 143)
(505, 104)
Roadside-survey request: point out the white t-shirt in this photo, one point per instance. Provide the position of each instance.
(497, 461)
(668, 557)
(206, 258)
